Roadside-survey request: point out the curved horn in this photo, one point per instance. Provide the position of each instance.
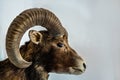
(24, 21)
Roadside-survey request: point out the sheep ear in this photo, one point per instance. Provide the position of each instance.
(35, 36)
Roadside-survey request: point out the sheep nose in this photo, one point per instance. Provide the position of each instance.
(84, 65)
(81, 65)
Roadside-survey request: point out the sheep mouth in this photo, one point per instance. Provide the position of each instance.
(76, 70)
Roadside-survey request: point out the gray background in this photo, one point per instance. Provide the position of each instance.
(93, 27)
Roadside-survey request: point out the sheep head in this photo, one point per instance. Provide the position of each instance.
(52, 50)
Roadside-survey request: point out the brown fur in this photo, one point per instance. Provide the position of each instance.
(46, 57)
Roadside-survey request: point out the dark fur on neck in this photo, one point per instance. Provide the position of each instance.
(33, 72)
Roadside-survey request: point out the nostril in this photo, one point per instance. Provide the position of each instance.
(84, 65)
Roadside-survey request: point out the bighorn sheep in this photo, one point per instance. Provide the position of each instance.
(47, 51)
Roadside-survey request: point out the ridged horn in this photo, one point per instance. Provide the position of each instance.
(27, 19)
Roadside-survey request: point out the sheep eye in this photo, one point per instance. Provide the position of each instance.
(60, 44)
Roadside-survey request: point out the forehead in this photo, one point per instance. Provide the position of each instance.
(62, 39)
(47, 37)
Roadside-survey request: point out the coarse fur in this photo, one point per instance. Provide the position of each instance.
(45, 52)
(46, 57)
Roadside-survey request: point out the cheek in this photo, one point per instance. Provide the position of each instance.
(64, 61)
(59, 68)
